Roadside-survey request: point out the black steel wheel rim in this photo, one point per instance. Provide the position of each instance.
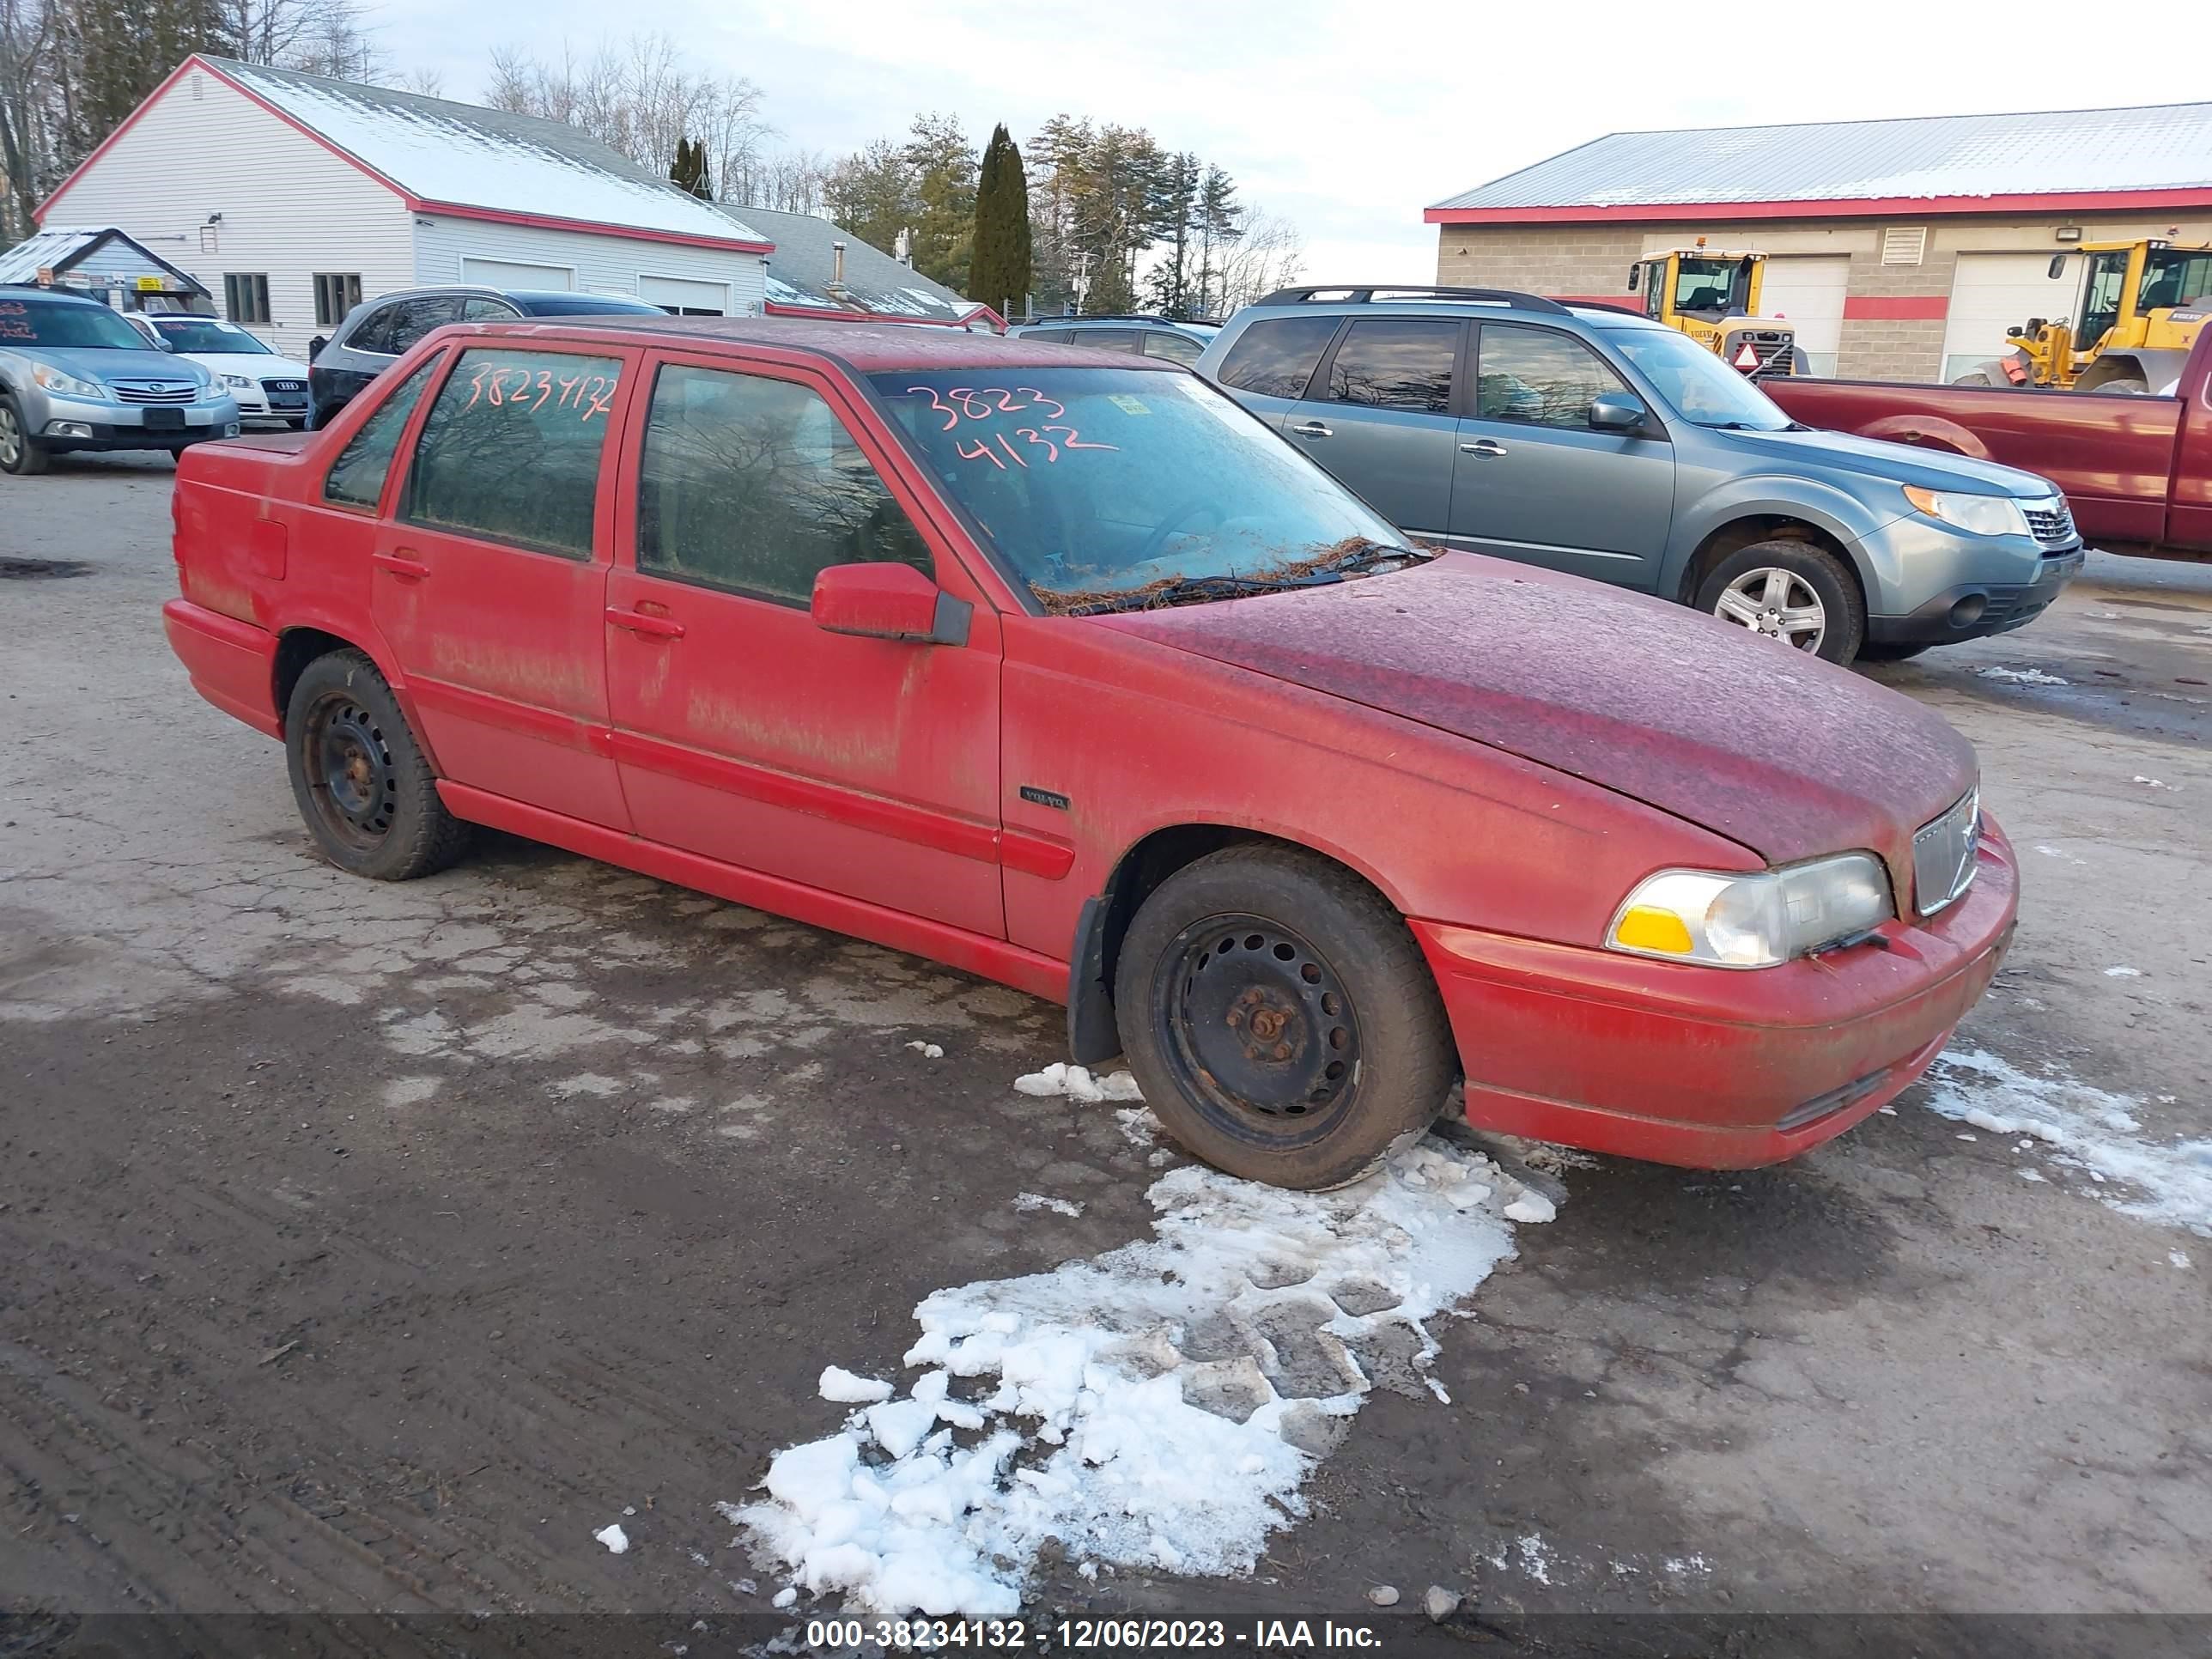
(1258, 1028)
(350, 777)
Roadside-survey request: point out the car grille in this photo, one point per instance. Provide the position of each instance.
(296, 388)
(1943, 851)
(153, 392)
(285, 394)
(1772, 344)
(2052, 526)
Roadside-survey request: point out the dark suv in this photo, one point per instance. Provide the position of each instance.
(376, 332)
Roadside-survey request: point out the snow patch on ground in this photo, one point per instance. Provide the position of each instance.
(1077, 1083)
(2154, 783)
(1157, 1407)
(850, 1388)
(2020, 676)
(1027, 1201)
(927, 1050)
(2086, 1128)
(2123, 971)
(616, 1539)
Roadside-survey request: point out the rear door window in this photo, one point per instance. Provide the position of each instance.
(1175, 348)
(511, 449)
(356, 478)
(753, 484)
(418, 317)
(1276, 356)
(1399, 362)
(1538, 376)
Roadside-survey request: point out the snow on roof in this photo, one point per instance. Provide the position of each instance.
(2162, 147)
(804, 262)
(467, 156)
(45, 250)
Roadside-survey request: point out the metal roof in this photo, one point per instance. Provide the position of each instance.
(2165, 147)
(805, 264)
(59, 248)
(490, 160)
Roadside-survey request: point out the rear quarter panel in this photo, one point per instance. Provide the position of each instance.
(2112, 454)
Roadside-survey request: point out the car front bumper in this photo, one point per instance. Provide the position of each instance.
(1713, 1067)
(67, 424)
(1934, 585)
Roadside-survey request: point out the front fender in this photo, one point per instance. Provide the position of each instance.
(1836, 514)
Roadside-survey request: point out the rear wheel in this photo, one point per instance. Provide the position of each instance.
(19, 452)
(363, 785)
(1280, 1017)
(1792, 592)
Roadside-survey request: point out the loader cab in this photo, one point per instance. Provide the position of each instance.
(1692, 283)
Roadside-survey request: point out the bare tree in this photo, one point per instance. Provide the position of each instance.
(638, 96)
(29, 33)
(1269, 254)
(791, 181)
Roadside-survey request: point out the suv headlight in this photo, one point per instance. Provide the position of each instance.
(1756, 919)
(68, 384)
(1984, 515)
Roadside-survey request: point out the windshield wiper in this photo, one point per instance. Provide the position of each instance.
(1365, 554)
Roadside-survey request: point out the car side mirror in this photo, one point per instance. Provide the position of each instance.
(1616, 411)
(888, 602)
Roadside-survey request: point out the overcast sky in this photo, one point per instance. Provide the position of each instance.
(1348, 118)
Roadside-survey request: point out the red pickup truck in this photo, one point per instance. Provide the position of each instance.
(2137, 469)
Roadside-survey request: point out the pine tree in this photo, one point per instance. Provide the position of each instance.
(688, 172)
(941, 164)
(1002, 267)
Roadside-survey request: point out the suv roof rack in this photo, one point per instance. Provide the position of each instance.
(1344, 294)
(1120, 317)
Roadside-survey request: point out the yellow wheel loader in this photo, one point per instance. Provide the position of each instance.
(2135, 317)
(1713, 297)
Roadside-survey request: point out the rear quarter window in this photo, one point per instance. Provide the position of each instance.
(356, 478)
(511, 449)
(1276, 356)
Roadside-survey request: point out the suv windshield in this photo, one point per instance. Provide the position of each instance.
(1106, 487)
(1701, 388)
(207, 334)
(87, 326)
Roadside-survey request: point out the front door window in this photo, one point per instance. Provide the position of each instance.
(2102, 290)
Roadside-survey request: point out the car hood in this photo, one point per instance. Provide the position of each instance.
(1900, 463)
(1785, 755)
(253, 364)
(102, 363)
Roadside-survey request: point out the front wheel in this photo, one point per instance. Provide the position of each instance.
(19, 452)
(1280, 1018)
(1792, 592)
(363, 785)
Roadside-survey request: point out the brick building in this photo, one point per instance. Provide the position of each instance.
(1902, 249)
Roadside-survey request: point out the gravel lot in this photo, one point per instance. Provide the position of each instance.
(370, 1248)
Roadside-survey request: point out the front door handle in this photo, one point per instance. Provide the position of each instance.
(1483, 447)
(1311, 429)
(652, 628)
(403, 564)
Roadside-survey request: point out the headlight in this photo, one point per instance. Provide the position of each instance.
(68, 384)
(1984, 515)
(242, 381)
(1753, 921)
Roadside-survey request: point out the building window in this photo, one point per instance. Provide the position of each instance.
(336, 292)
(246, 296)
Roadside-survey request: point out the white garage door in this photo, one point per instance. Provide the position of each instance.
(1993, 292)
(509, 273)
(683, 297)
(1807, 292)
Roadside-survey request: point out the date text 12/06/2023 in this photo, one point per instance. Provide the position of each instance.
(1084, 1635)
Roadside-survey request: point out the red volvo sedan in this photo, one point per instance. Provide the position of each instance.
(1059, 667)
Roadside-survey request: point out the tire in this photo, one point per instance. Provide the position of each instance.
(1807, 578)
(1300, 1062)
(363, 785)
(19, 452)
(1889, 651)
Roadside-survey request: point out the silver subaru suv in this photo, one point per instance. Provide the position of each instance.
(74, 375)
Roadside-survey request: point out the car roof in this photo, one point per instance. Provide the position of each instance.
(1453, 303)
(46, 296)
(863, 348)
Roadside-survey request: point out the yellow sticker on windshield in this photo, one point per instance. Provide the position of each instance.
(1127, 405)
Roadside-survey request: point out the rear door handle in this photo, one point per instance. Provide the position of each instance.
(652, 628)
(1312, 430)
(1483, 447)
(403, 564)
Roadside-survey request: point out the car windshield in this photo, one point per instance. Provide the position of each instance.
(1700, 387)
(1706, 284)
(81, 327)
(208, 334)
(1107, 488)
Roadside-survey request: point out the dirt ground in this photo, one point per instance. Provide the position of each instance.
(367, 1248)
